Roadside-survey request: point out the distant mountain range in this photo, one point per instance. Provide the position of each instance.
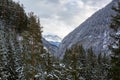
(53, 39)
(52, 48)
(94, 32)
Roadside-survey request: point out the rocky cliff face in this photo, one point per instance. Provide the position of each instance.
(93, 32)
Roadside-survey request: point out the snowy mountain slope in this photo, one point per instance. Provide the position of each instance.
(55, 43)
(53, 39)
(49, 46)
(93, 32)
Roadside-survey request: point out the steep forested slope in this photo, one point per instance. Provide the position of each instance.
(93, 32)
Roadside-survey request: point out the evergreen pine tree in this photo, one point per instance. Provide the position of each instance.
(91, 65)
(13, 13)
(115, 56)
(9, 57)
(33, 48)
(49, 67)
(77, 59)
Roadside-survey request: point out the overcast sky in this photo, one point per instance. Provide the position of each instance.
(60, 17)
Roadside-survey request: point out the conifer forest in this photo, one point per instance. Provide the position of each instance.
(23, 55)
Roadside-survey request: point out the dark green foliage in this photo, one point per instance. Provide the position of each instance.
(32, 48)
(115, 56)
(49, 67)
(19, 59)
(31, 61)
(91, 58)
(75, 59)
(115, 19)
(86, 64)
(99, 59)
(13, 14)
(80, 54)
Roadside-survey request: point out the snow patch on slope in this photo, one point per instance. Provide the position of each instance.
(53, 38)
(94, 32)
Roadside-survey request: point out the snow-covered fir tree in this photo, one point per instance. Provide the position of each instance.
(88, 65)
(115, 47)
(32, 48)
(11, 67)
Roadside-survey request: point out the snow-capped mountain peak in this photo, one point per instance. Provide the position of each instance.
(52, 38)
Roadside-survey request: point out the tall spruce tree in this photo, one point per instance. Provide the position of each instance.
(115, 47)
(49, 67)
(13, 13)
(91, 65)
(75, 61)
(32, 48)
(10, 59)
(87, 65)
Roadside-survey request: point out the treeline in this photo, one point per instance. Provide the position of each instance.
(20, 42)
(23, 57)
(13, 14)
(86, 65)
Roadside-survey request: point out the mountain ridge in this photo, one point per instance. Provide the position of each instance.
(93, 32)
(52, 37)
(51, 48)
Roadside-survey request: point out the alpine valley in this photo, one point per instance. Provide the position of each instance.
(90, 52)
(94, 32)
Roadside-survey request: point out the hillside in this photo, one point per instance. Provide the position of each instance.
(94, 32)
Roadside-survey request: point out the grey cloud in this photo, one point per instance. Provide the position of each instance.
(63, 14)
(96, 3)
(51, 1)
